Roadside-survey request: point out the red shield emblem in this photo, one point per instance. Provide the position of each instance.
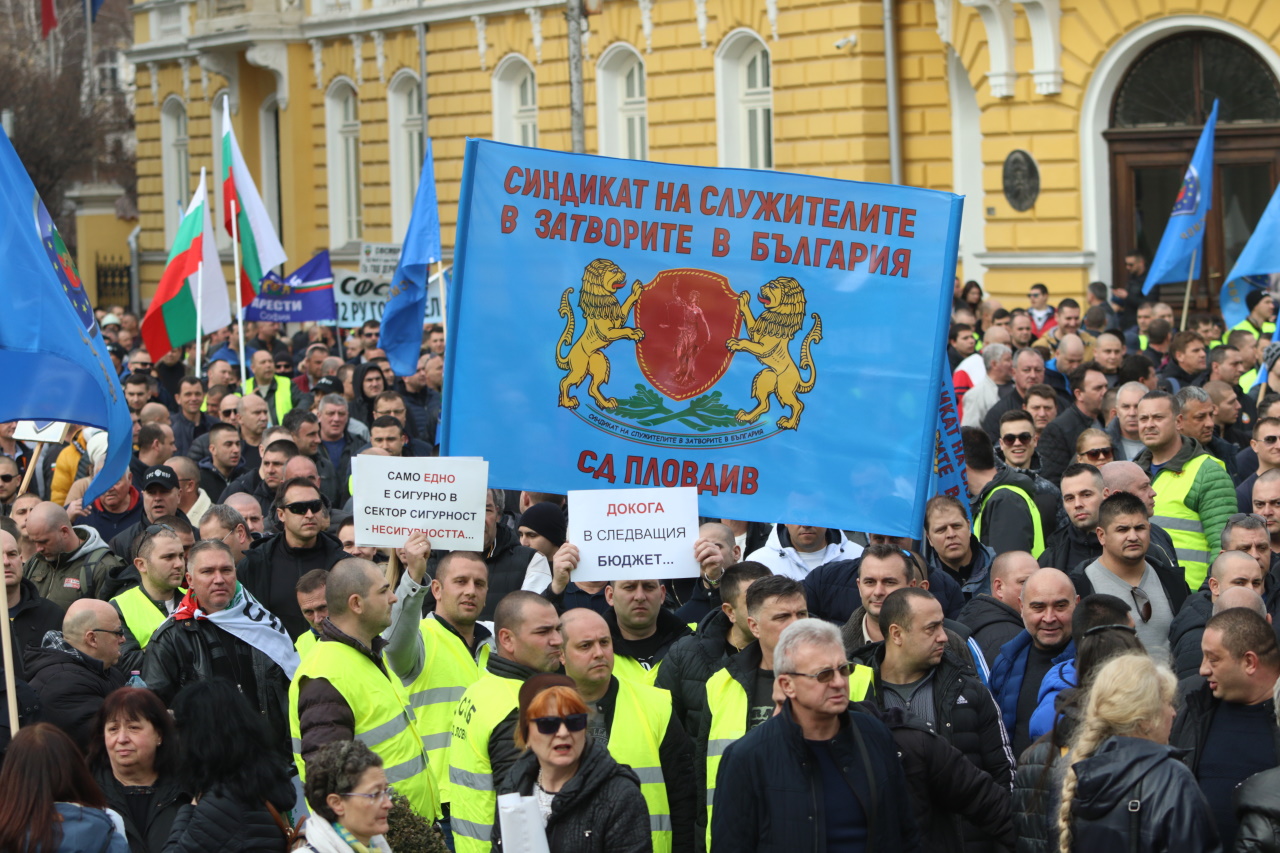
(687, 315)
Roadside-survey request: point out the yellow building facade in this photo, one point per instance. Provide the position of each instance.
(1050, 116)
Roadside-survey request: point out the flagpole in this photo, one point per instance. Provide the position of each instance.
(199, 310)
(235, 260)
(1186, 299)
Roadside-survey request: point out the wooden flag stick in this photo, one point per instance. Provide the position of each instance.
(1186, 299)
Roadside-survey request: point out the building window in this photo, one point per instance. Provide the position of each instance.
(168, 22)
(515, 102)
(406, 130)
(269, 124)
(175, 167)
(621, 104)
(744, 102)
(342, 115)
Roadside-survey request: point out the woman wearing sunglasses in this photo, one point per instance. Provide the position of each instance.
(347, 791)
(1093, 447)
(589, 802)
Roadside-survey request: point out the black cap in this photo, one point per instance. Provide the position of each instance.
(326, 385)
(115, 349)
(546, 519)
(160, 475)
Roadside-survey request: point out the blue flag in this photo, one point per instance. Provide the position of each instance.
(1231, 299)
(618, 323)
(1185, 232)
(949, 476)
(306, 294)
(52, 354)
(1261, 255)
(401, 335)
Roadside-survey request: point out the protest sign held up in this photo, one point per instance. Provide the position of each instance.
(397, 497)
(634, 534)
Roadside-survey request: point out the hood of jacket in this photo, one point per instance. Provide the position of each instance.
(114, 514)
(90, 540)
(1189, 450)
(84, 828)
(668, 626)
(1005, 476)
(838, 546)
(983, 611)
(28, 595)
(1109, 777)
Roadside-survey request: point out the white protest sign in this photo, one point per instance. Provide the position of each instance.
(362, 294)
(50, 432)
(634, 534)
(440, 496)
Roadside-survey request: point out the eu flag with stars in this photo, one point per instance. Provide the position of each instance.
(1184, 235)
(52, 354)
(401, 334)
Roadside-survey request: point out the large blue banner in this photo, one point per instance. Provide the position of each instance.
(755, 334)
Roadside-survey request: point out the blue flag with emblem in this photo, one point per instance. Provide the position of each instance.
(402, 319)
(949, 477)
(619, 323)
(1178, 256)
(305, 294)
(1258, 261)
(52, 353)
(1231, 299)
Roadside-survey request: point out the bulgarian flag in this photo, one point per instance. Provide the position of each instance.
(192, 288)
(260, 248)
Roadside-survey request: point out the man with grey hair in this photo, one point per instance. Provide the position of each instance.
(1028, 371)
(1231, 569)
(337, 439)
(224, 523)
(1123, 428)
(787, 782)
(1196, 421)
(986, 392)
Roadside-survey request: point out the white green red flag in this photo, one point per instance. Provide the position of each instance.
(260, 248)
(171, 318)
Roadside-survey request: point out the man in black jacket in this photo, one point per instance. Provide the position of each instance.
(1002, 503)
(1231, 569)
(272, 567)
(786, 785)
(1058, 443)
(1077, 541)
(588, 660)
(30, 616)
(915, 672)
(996, 618)
(643, 630)
(1227, 722)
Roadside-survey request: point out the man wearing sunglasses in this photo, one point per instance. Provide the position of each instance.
(917, 673)
(74, 670)
(272, 567)
(1265, 445)
(637, 725)
(1232, 569)
(1002, 503)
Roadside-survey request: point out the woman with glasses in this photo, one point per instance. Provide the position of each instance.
(589, 803)
(1093, 447)
(347, 791)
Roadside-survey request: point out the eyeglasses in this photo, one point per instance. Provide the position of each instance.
(824, 676)
(227, 413)
(119, 632)
(1269, 439)
(304, 507)
(551, 725)
(153, 530)
(1241, 516)
(1098, 453)
(7, 478)
(1019, 438)
(1143, 601)
(375, 797)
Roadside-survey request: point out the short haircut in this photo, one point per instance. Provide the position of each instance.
(941, 503)
(992, 353)
(334, 399)
(147, 544)
(282, 445)
(774, 586)
(1164, 395)
(1040, 288)
(896, 609)
(1027, 351)
(1095, 317)
(1083, 468)
(221, 427)
(296, 417)
(149, 434)
(1068, 303)
(1158, 331)
(978, 452)
(1239, 521)
(1261, 422)
(386, 422)
(347, 578)
(1241, 338)
(1042, 391)
(739, 575)
(227, 516)
(1182, 340)
(1015, 415)
(957, 329)
(510, 612)
(1118, 504)
(1133, 368)
(209, 545)
(885, 551)
(295, 482)
(137, 379)
(1246, 631)
(189, 379)
(1217, 355)
(312, 581)
(803, 632)
(1076, 377)
(547, 497)
(1191, 394)
(1098, 609)
(388, 397)
(447, 561)
(1097, 290)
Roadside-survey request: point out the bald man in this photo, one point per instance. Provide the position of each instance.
(635, 722)
(1240, 596)
(995, 618)
(74, 670)
(1048, 601)
(70, 562)
(1232, 569)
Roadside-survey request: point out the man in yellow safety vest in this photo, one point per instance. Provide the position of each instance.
(161, 564)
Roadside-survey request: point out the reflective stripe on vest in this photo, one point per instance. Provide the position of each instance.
(1037, 538)
(282, 396)
(630, 668)
(447, 671)
(1183, 523)
(641, 715)
(382, 720)
(140, 614)
(474, 803)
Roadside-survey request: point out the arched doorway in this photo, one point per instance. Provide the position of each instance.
(1156, 117)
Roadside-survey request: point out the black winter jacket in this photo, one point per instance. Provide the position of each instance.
(991, 624)
(944, 785)
(30, 620)
(832, 590)
(224, 822)
(1195, 716)
(508, 562)
(1172, 813)
(1185, 633)
(688, 665)
(168, 799)
(1258, 813)
(1037, 788)
(253, 485)
(271, 569)
(71, 686)
(599, 810)
(668, 626)
(768, 796)
(1058, 441)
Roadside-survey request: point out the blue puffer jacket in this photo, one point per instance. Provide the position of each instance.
(832, 590)
(86, 830)
(1007, 673)
(1059, 678)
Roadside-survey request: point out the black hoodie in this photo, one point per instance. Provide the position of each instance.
(991, 623)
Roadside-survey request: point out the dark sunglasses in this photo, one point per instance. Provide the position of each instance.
(1143, 601)
(1269, 439)
(140, 368)
(226, 413)
(1019, 438)
(551, 725)
(824, 676)
(152, 530)
(303, 507)
(7, 478)
(1098, 453)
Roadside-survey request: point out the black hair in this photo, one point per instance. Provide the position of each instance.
(246, 764)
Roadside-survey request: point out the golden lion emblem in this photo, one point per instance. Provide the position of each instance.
(605, 324)
(768, 339)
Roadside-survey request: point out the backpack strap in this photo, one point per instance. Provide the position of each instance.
(1135, 811)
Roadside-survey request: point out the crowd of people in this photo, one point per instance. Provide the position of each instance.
(1077, 654)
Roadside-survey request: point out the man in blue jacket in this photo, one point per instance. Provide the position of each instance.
(786, 785)
(1048, 601)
